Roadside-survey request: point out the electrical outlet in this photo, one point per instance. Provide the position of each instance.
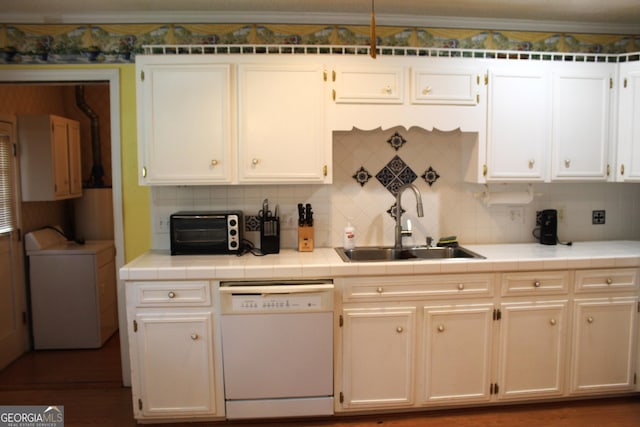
(516, 214)
(560, 214)
(161, 224)
(598, 217)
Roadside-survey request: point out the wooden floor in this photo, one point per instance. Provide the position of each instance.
(88, 384)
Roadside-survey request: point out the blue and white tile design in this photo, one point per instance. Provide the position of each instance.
(395, 174)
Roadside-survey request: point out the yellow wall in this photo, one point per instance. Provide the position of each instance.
(135, 203)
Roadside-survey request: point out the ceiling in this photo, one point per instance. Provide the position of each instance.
(590, 16)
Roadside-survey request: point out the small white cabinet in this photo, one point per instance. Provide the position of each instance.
(518, 121)
(582, 97)
(457, 348)
(184, 122)
(50, 161)
(532, 349)
(446, 86)
(175, 351)
(628, 167)
(368, 84)
(281, 127)
(378, 357)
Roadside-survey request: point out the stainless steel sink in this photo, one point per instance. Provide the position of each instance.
(372, 254)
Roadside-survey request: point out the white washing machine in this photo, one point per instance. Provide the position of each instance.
(72, 290)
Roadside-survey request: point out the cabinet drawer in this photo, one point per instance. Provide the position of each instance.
(369, 288)
(623, 279)
(444, 87)
(535, 283)
(175, 293)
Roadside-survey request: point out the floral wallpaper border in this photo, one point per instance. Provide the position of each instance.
(118, 43)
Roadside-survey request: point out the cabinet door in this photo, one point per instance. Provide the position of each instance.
(174, 365)
(378, 352)
(532, 349)
(281, 133)
(580, 121)
(75, 159)
(60, 155)
(603, 345)
(457, 353)
(185, 123)
(518, 122)
(367, 85)
(629, 123)
(450, 86)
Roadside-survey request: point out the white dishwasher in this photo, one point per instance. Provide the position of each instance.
(277, 348)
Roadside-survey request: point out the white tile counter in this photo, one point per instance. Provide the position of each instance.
(325, 262)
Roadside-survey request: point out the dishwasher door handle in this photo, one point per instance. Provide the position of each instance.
(276, 290)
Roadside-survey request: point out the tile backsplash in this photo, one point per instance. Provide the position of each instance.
(369, 167)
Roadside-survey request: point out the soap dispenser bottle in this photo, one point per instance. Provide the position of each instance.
(349, 236)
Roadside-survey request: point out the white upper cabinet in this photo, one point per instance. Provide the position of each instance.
(628, 167)
(518, 122)
(445, 86)
(184, 121)
(582, 96)
(282, 135)
(367, 84)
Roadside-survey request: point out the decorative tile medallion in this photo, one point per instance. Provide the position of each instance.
(251, 223)
(430, 175)
(396, 141)
(396, 174)
(362, 176)
(393, 210)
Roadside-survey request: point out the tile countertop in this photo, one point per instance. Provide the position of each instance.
(325, 262)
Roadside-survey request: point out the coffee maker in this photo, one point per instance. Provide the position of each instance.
(548, 221)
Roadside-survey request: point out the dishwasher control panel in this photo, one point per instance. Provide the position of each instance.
(293, 302)
(262, 297)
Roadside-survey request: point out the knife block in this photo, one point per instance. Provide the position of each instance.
(305, 238)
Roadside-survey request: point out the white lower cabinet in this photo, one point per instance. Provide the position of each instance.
(378, 357)
(532, 349)
(461, 339)
(604, 345)
(456, 362)
(175, 351)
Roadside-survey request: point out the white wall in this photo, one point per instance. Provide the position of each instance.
(451, 206)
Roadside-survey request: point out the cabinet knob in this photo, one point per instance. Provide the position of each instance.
(567, 163)
(609, 280)
(460, 286)
(171, 294)
(537, 284)
(553, 322)
(590, 319)
(532, 162)
(440, 328)
(214, 162)
(426, 90)
(379, 290)
(399, 329)
(194, 336)
(387, 89)
(254, 162)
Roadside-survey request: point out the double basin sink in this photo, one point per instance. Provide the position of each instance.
(372, 254)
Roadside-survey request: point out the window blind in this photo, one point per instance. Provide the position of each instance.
(7, 185)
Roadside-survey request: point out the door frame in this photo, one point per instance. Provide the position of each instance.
(17, 262)
(111, 76)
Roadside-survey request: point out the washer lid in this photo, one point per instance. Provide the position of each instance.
(42, 239)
